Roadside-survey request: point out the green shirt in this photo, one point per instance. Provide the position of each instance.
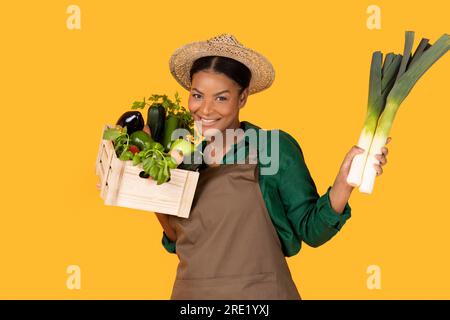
(297, 211)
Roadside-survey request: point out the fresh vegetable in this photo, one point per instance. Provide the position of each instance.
(184, 146)
(177, 156)
(134, 149)
(114, 133)
(140, 139)
(156, 118)
(382, 78)
(173, 108)
(121, 141)
(185, 155)
(156, 163)
(410, 70)
(133, 120)
(143, 146)
(170, 126)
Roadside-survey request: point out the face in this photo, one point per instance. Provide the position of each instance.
(214, 101)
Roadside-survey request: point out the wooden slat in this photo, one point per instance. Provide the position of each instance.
(121, 185)
(114, 181)
(108, 148)
(188, 194)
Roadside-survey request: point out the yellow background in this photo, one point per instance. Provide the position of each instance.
(60, 86)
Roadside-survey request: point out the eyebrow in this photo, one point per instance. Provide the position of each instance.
(223, 91)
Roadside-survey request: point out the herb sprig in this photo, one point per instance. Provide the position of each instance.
(173, 108)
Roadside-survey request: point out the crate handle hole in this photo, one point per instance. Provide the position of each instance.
(144, 175)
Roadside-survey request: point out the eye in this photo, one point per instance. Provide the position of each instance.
(196, 95)
(224, 98)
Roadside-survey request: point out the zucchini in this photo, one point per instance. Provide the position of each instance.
(156, 116)
(169, 127)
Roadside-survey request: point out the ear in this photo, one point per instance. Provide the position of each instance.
(243, 98)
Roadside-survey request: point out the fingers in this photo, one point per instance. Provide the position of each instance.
(381, 158)
(355, 150)
(378, 169)
(384, 152)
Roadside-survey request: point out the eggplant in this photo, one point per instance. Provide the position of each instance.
(133, 120)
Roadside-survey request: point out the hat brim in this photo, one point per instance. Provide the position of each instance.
(180, 63)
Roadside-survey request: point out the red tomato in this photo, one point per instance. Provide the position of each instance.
(134, 149)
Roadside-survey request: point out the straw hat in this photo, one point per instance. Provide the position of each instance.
(225, 45)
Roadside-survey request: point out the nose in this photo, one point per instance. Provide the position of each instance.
(206, 107)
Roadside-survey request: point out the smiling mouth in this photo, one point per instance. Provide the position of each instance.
(209, 122)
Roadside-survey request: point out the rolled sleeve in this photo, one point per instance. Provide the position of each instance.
(333, 218)
(168, 244)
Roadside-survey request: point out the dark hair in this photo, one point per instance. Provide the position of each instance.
(232, 68)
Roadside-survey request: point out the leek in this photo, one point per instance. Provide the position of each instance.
(381, 80)
(411, 69)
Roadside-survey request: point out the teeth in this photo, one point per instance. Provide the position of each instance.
(209, 120)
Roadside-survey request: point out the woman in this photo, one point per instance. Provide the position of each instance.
(242, 223)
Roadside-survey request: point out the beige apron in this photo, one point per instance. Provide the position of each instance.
(228, 247)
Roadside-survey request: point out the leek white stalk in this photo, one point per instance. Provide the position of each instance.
(379, 140)
(355, 174)
(407, 77)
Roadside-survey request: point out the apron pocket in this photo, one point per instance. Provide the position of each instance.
(240, 287)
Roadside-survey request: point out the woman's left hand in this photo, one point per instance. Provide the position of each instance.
(382, 158)
(346, 164)
(341, 190)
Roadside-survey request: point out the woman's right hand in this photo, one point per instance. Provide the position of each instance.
(164, 221)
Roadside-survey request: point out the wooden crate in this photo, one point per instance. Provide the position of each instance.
(121, 185)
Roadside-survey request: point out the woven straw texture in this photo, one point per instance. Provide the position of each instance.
(225, 45)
